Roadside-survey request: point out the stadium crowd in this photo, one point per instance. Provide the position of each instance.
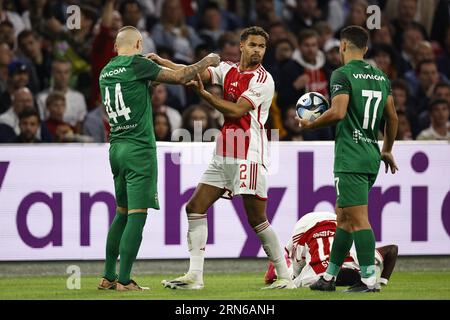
(49, 73)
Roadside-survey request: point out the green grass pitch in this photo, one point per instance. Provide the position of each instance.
(420, 285)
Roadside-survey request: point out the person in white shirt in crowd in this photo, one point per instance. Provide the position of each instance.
(440, 126)
(76, 108)
(159, 99)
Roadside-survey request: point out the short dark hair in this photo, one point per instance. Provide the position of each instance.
(421, 63)
(29, 112)
(441, 84)
(254, 31)
(284, 40)
(357, 35)
(124, 3)
(25, 34)
(400, 84)
(227, 37)
(306, 34)
(53, 97)
(435, 102)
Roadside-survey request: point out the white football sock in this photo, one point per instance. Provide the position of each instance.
(197, 236)
(273, 249)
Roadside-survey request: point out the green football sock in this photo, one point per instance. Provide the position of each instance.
(365, 251)
(342, 243)
(112, 245)
(130, 243)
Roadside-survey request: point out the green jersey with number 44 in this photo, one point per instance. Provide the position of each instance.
(356, 144)
(124, 86)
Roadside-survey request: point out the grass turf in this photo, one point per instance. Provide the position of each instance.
(421, 285)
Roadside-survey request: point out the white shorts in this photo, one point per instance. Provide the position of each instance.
(236, 177)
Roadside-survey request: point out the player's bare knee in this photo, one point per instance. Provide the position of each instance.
(193, 207)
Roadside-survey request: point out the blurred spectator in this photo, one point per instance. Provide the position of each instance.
(405, 18)
(385, 59)
(103, 47)
(196, 120)
(404, 128)
(412, 35)
(131, 13)
(159, 100)
(277, 31)
(229, 47)
(11, 17)
(401, 95)
(324, 31)
(444, 60)
(423, 51)
(312, 60)
(75, 103)
(440, 126)
(442, 91)
(440, 23)
(265, 14)
(56, 106)
(7, 34)
(357, 15)
(29, 124)
(96, 124)
(18, 77)
(383, 35)
(6, 57)
(210, 27)
(305, 15)
(38, 58)
(21, 99)
(161, 123)
(172, 31)
(333, 57)
(284, 50)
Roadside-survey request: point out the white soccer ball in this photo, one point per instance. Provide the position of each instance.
(311, 105)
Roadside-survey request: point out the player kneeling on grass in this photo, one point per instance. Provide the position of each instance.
(308, 251)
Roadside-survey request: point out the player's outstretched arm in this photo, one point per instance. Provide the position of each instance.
(389, 254)
(390, 132)
(187, 73)
(227, 108)
(337, 112)
(206, 77)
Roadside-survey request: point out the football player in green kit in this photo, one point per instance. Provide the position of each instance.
(361, 96)
(124, 86)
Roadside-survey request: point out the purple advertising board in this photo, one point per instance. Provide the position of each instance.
(58, 200)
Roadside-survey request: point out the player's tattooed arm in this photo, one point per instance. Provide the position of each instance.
(182, 71)
(227, 108)
(337, 112)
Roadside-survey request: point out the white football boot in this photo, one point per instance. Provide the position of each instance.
(281, 284)
(187, 282)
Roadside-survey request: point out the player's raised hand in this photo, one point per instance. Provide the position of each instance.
(155, 58)
(303, 123)
(197, 84)
(389, 162)
(214, 59)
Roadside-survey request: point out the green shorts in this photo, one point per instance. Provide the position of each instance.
(135, 171)
(352, 189)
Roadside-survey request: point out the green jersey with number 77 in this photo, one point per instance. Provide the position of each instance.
(356, 143)
(124, 86)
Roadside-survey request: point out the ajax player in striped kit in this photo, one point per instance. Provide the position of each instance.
(308, 250)
(239, 164)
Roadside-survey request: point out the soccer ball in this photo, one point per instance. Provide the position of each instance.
(311, 105)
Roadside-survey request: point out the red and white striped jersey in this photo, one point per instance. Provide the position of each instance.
(244, 138)
(311, 240)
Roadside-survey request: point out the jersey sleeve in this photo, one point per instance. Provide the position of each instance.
(145, 69)
(218, 73)
(258, 91)
(339, 84)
